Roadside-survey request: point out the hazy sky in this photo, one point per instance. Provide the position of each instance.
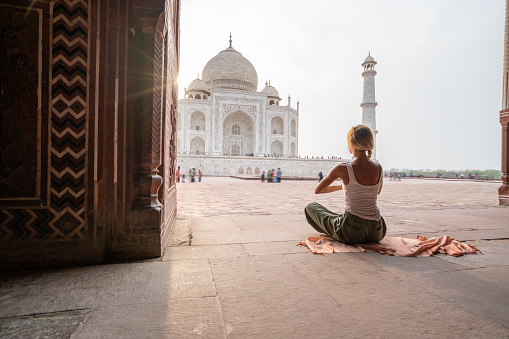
(439, 81)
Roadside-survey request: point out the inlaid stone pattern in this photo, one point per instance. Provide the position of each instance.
(227, 108)
(62, 216)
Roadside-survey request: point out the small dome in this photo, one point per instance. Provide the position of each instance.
(198, 85)
(271, 91)
(369, 58)
(229, 69)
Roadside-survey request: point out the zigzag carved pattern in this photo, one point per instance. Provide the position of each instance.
(65, 218)
(26, 224)
(157, 97)
(68, 117)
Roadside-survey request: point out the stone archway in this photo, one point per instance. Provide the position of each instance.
(197, 146)
(293, 128)
(198, 121)
(277, 125)
(239, 136)
(276, 148)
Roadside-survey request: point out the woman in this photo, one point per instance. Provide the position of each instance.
(362, 179)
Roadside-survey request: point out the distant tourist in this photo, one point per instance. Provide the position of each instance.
(183, 178)
(200, 174)
(263, 177)
(462, 176)
(178, 174)
(320, 176)
(362, 181)
(269, 178)
(272, 175)
(279, 174)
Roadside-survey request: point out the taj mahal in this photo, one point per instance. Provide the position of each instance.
(226, 127)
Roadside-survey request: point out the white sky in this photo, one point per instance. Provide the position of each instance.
(439, 81)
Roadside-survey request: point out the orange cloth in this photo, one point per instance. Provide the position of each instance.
(398, 246)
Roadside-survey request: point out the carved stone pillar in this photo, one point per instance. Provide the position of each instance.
(147, 209)
(503, 191)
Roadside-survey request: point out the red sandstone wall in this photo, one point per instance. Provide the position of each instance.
(83, 154)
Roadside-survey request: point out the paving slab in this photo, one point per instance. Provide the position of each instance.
(392, 304)
(478, 295)
(498, 276)
(213, 224)
(274, 247)
(46, 291)
(205, 252)
(218, 238)
(52, 325)
(181, 318)
(268, 297)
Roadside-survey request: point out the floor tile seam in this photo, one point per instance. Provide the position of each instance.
(274, 254)
(245, 249)
(54, 314)
(179, 299)
(242, 243)
(218, 299)
(484, 267)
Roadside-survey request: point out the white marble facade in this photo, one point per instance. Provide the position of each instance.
(224, 115)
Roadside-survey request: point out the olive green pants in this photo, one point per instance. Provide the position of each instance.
(347, 227)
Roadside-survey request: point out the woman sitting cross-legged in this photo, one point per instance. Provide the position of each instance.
(362, 181)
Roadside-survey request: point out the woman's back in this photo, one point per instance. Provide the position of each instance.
(367, 172)
(361, 191)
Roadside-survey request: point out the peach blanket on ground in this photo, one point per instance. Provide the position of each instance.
(398, 246)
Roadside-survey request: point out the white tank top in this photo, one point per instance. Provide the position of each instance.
(360, 199)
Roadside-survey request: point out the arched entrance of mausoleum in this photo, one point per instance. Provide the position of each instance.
(198, 121)
(238, 134)
(276, 148)
(197, 146)
(277, 125)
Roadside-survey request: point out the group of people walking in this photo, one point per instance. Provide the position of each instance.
(192, 175)
(271, 176)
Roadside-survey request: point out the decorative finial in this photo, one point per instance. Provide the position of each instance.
(266, 83)
(369, 53)
(230, 39)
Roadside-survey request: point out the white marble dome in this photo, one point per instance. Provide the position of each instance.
(198, 85)
(271, 91)
(229, 69)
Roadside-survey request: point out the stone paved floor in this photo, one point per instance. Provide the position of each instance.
(233, 270)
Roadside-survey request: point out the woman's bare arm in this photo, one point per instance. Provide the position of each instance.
(330, 189)
(324, 186)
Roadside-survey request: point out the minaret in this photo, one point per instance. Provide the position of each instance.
(368, 97)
